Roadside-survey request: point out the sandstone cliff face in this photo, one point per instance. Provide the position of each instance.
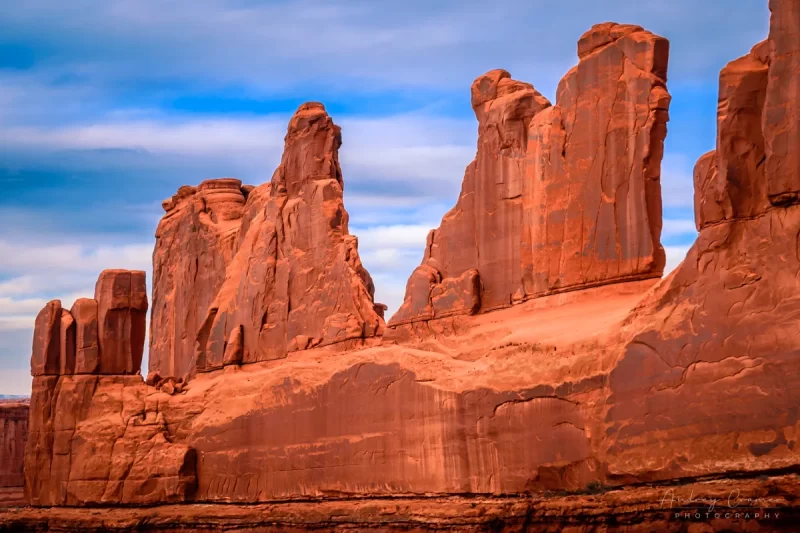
(297, 280)
(558, 197)
(195, 242)
(730, 182)
(592, 207)
(13, 435)
(93, 437)
(472, 261)
(104, 335)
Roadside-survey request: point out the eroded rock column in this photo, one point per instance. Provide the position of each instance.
(93, 437)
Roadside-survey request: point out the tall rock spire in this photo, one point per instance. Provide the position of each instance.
(296, 281)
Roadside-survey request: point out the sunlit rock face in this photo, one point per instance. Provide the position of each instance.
(195, 241)
(94, 438)
(297, 281)
(558, 197)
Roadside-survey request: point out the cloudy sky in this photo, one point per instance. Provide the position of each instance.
(108, 106)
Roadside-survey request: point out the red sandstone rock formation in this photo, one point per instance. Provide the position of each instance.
(297, 281)
(104, 335)
(730, 181)
(93, 436)
(642, 508)
(87, 344)
(195, 241)
(713, 364)
(558, 197)
(121, 297)
(688, 380)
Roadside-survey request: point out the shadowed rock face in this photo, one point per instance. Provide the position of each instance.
(558, 197)
(13, 435)
(297, 281)
(195, 242)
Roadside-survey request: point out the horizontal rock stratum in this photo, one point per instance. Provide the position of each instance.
(599, 378)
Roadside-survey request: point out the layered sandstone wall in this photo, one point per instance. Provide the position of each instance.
(558, 197)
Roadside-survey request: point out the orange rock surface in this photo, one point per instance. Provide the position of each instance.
(93, 438)
(195, 241)
(722, 505)
(626, 388)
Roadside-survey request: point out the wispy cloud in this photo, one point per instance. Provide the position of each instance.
(271, 46)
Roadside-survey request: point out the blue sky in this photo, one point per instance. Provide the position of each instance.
(108, 106)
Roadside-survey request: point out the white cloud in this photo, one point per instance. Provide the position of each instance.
(682, 227)
(348, 45)
(403, 236)
(675, 256)
(677, 182)
(416, 154)
(390, 254)
(60, 259)
(197, 136)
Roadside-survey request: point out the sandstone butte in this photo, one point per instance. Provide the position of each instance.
(540, 375)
